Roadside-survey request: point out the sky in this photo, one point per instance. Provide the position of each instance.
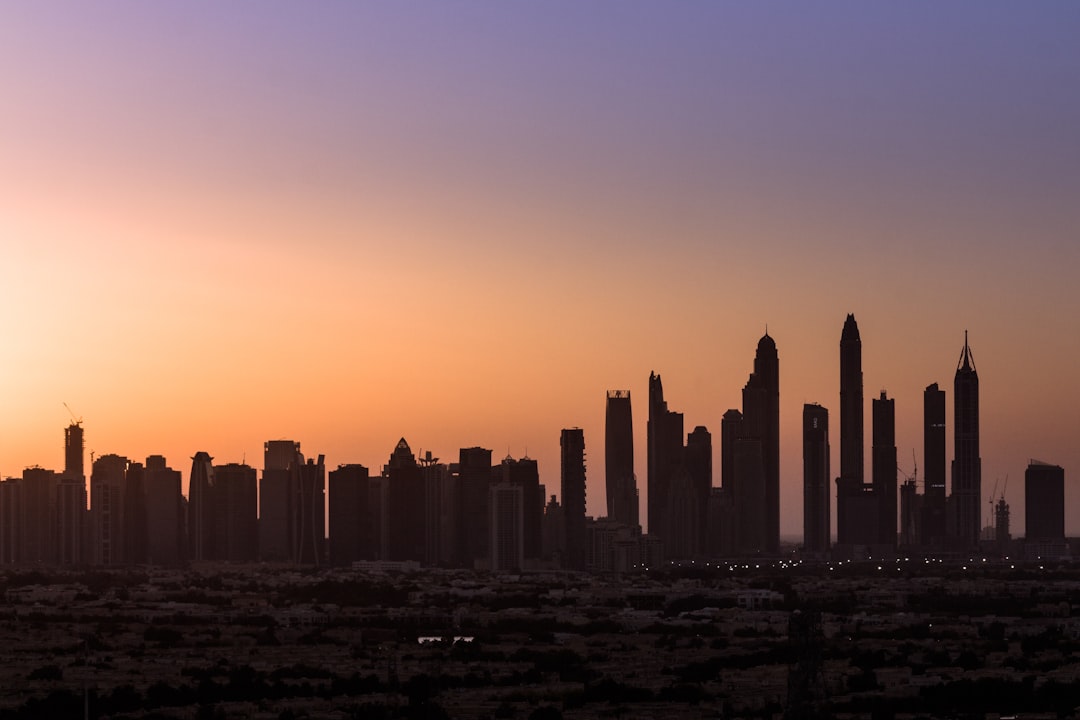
(463, 223)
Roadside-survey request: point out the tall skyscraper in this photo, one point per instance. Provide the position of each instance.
(107, 510)
(816, 479)
(885, 469)
(309, 512)
(201, 508)
(849, 486)
(350, 524)
(277, 500)
(620, 482)
(404, 505)
(164, 512)
(234, 513)
(474, 479)
(38, 528)
(507, 527)
(525, 474)
(934, 522)
(761, 421)
(967, 464)
(665, 455)
(699, 468)
(73, 451)
(135, 528)
(572, 444)
(1044, 502)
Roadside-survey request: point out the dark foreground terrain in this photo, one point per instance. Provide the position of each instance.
(906, 639)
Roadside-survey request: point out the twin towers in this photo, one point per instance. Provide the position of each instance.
(742, 516)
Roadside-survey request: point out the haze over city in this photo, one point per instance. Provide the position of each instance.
(462, 226)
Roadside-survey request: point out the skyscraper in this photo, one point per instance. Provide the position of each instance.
(234, 513)
(934, 521)
(107, 509)
(474, 478)
(884, 468)
(404, 505)
(849, 486)
(699, 468)
(816, 479)
(164, 511)
(201, 508)
(507, 528)
(277, 500)
(1044, 502)
(572, 444)
(309, 511)
(135, 528)
(73, 451)
(38, 530)
(967, 464)
(350, 524)
(761, 421)
(620, 482)
(665, 455)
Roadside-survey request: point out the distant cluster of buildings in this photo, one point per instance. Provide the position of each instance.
(474, 513)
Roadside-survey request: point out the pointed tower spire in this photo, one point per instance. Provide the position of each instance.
(967, 360)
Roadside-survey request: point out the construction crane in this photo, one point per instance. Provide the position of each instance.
(74, 420)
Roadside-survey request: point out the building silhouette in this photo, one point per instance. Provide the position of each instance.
(664, 440)
(1044, 502)
(135, 529)
(71, 499)
(885, 469)
(10, 521)
(507, 501)
(525, 474)
(234, 513)
(850, 493)
(725, 512)
(164, 503)
(277, 500)
(572, 444)
(405, 530)
(201, 508)
(438, 499)
(350, 516)
(309, 511)
(474, 479)
(761, 420)
(620, 481)
(967, 464)
(107, 478)
(699, 469)
(934, 523)
(816, 480)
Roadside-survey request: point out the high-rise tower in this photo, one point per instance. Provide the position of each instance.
(849, 486)
(761, 421)
(665, 455)
(967, 464)
(572, 444)
(884, 468)
(933, 521)
(816, 516)
(620, 483)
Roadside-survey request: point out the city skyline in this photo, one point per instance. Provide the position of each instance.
(463, 227)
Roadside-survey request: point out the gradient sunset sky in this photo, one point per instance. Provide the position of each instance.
(462, 223)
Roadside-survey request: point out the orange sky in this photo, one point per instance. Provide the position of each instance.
(212, 234)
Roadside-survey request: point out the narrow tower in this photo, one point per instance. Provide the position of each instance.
(884, 468)
(967, 465)
(816, 519)
(620, 483)
(849, 486)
